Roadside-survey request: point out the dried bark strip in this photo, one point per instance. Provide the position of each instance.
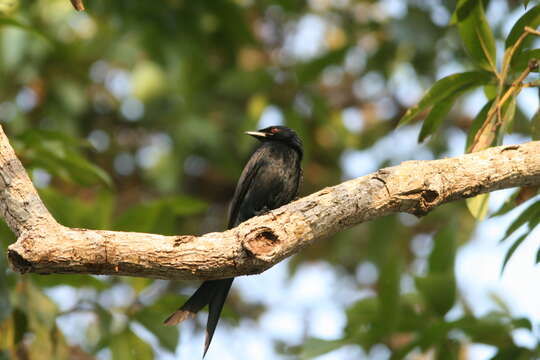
(417, 187)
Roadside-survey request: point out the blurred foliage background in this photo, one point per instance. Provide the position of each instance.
(129, 116)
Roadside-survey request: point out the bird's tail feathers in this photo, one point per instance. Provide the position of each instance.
(212, 293)
(221, 290)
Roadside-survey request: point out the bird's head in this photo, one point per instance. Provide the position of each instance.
(278, 133)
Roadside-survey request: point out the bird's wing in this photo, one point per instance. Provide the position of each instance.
(244, 184)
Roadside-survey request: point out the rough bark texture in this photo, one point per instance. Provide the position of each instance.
(44, 246)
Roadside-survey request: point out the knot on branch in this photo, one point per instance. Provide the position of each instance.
(19, 263)
(420, 201)
(261, 243)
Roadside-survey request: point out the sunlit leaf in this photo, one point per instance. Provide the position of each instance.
(478, 206)
(508, 114)
(127, 345)
(444, 88)
(313, 347)
(477, 124)
(8, 21)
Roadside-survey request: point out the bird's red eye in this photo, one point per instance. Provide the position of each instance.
(274, 130)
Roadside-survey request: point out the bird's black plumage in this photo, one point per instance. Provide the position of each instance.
(269, 180)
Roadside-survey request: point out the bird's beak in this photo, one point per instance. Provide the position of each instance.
(256, 134)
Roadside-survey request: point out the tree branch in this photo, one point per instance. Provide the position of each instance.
(417, 187)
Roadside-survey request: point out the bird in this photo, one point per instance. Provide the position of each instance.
(270, 179)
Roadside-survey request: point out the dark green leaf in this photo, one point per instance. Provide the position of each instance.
(476, 34)
(151, 318)
(520, 61)
(522, 323)
(438, 290)
(441, 259)
(491, 329)
(444, 88)
(389, 300)
(522, 219)
(512, 249)
(362, 317)
(436, 116)
(530, 18)
(535, 126)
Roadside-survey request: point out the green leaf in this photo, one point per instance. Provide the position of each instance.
(9, 21)
(535, 126)
(522, 323)
(158, 215)
(512, 249)
(103, 327)
(436, 116)
(362, 317)
(313, 347)
(520, 61)
(438, 290)
(528, 214)
(59, 154)
(530, 18)
(508, 205)
(444, 88)
(389, 299)
(77, 281)
(476, 34)
(441, 259)
(438, 287)
(127, 346)
(311, 70)
(151, 317)
(491, 329)
(478, 206)
(94, 212)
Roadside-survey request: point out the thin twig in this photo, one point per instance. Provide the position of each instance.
(77, 4)
(533, 65)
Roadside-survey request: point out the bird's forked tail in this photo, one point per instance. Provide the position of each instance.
(212, 293)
